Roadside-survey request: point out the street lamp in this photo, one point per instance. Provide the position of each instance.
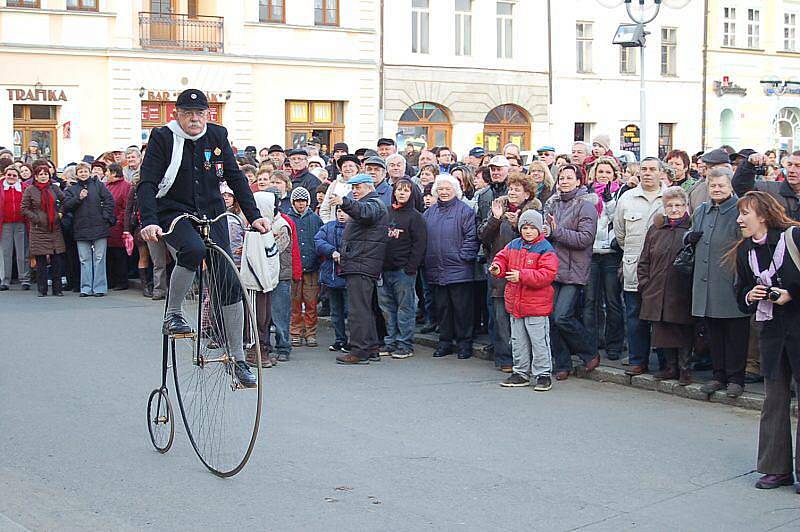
(635, 36)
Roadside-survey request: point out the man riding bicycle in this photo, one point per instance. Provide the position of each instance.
(181, 173)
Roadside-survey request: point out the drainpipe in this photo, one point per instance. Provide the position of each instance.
(549, 53)
(380, 75)
(703, 120)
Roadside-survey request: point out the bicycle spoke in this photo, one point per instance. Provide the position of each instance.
(221, 417)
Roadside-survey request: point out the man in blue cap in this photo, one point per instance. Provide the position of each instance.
(474, 157)
(547, 154)
(361, 263)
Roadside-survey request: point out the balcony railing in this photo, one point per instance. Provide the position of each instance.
(181, 32)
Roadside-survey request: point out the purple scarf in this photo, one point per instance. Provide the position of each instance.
(764, 310)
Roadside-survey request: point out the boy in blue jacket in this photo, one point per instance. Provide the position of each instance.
(328, 242)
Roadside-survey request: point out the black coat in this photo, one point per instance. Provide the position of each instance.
(365, 235)
(745, 180)
(196, 188)
(408, 235)
(782, 331)
(92, 216)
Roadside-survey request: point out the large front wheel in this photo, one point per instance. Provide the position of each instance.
(220, 414)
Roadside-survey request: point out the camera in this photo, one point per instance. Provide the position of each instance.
(773, 295)
(760, 169)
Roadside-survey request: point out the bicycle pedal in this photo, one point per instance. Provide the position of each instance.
(184, 336)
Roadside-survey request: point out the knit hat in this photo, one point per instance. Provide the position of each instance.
(301, 194)
(603, 140)
(447, 178)
(531, 217)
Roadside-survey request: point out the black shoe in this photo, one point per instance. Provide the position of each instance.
(245, 376)
(99, 294)
(58, 294)
(429, 328)
(543, 383)
(3, 287)
(26, 286)
(515, 381)
(337, 346)
(175, 325)
(42, 295)
(345, 348)
(442, 353)
(464, 355)
(752, 378)
(374, 357)
(612, 356)
(84, 294)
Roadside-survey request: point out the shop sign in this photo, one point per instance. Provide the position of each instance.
(629, 139)
(725, 86)
(171, 96)
(36, 95)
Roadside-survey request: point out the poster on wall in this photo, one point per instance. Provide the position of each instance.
(629, 139)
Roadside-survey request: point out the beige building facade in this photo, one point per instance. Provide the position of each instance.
(81, 77)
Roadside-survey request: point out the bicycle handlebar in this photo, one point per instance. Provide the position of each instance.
(199, 221)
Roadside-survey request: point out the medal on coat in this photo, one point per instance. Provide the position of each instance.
(218, 167)
(207, 155)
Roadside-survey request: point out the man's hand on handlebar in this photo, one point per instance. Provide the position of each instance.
(151, 233)
(261, 225)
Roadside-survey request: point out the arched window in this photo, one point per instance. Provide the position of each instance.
(506, 123)
(727, 131)
(424, 124)
(786, 129)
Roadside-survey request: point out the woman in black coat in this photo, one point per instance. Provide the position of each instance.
(769, 285)
(92, 206)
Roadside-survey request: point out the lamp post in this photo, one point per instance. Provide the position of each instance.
(635, 36)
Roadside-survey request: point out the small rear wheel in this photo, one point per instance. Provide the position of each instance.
(160, 420)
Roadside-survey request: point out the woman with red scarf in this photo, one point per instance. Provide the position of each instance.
(40, 206)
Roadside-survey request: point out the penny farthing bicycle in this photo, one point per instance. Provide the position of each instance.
(220, 415)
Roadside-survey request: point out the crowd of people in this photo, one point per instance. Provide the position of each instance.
(686, 260)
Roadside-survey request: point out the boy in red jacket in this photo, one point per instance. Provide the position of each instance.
(529, 264)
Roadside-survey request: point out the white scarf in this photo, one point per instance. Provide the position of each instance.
(16, 186)
(178, 136)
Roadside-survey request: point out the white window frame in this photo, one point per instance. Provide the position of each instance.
(420, 27)
(790, 31)
(729, 26)
(463, 29)
(584, 43)
(627, 60)
(753, 28)
(505, 31)
(669, 52)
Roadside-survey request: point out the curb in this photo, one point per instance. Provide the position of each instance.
(748, 400)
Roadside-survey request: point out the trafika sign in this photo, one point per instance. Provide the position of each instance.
(36, 95)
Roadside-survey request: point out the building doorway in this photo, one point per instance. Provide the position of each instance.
(36, 123)
(506, 124)
(308, 119)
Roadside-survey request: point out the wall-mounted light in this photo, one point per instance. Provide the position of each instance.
(141, 92)
(227, 95)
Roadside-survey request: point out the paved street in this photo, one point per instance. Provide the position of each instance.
(419, 444)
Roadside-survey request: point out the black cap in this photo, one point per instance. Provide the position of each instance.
(370, 153)
(341, 146)
(314, 140)
(297, 151)
(744, 154)
(192, 99)
(274, 148)
(718, 156)
(344, 158)
(386, 142)
(250, 149)
(360, 152)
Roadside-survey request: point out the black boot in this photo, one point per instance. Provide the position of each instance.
(147, 288)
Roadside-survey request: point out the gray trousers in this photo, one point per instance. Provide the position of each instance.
(775, 429)
(158, 254)
(14, 238)
(530, 346)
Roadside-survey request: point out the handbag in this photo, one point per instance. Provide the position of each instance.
(684, 261)
(791, 248)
